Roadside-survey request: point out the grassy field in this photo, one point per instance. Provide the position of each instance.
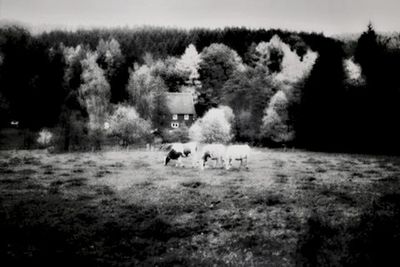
(124, 208)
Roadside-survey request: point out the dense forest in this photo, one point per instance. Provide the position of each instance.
(284, 88)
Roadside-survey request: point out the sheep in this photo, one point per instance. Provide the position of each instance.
(212, 151)
(237, 152)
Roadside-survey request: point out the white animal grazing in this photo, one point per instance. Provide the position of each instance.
(212, 151)
(237, 152)
(191, 149)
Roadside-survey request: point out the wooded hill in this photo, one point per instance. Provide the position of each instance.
(285, 88)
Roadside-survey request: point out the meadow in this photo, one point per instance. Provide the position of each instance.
(124, 208)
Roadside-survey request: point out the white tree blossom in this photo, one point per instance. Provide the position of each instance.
(214, 127)
(292, 67)
(190, 63)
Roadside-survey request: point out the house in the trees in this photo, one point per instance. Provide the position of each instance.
(181, 109)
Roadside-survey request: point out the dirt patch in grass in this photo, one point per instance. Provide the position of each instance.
(192, 184)
(357, 175)
(27, 172)
(90, 163)
(281, 178)
(75, 182)
(104, 190)
(269, 199)
(145, 184)
(321, 170)
(31, 161)
(279, 163)
(315, 161)
(116, 165)
(48, 172)
(141, 164)
(390, 179)
(6, 171)
(13, 181)
(101, 173)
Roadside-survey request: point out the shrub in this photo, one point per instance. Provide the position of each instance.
(214, 127)
(128, 127)
(276, 126)
(45, 138)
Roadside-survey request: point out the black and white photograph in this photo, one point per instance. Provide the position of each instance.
(199, 133)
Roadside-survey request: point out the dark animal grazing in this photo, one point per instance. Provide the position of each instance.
(179, 150)
(174, 155)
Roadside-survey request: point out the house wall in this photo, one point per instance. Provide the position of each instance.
(181, 120)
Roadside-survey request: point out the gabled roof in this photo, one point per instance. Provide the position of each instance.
(180, 103)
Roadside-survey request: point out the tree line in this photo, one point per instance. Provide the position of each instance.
(284, 88)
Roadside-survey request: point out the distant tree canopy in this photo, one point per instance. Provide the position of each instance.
(302, 89)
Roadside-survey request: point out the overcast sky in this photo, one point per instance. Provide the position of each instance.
(328, 16)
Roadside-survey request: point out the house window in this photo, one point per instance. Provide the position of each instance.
(186, 117)
(175, 117)
(174, 125)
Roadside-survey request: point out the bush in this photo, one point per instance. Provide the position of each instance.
(128, 127)
(45, 138)
(276, 126)
(214, 127)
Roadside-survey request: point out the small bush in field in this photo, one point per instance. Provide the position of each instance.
(128, 127)
(45, 138)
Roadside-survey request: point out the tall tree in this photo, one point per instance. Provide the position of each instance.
(147, 94)
(189, 63)
(113, 63)
(218, 63)
(94, 92)
(248, 94)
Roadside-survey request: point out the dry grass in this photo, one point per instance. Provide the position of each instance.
(126, 208)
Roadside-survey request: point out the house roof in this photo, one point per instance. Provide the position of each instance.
(180, 103)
